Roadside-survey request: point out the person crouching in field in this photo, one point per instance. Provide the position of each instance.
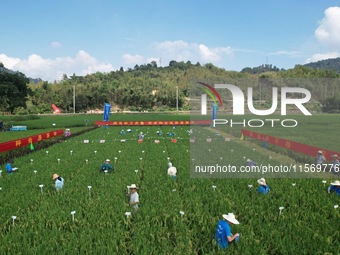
(58, 182)
(335, 186)
(223, 235)
(320, 158)
(9, 168)
(264, 188)
(106, 166)
(172, 171)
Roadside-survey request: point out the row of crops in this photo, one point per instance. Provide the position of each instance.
(308, 224)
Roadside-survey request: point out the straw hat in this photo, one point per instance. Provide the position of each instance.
(55, 176)
(231, 218)
(248, 160)
(107, 160)
(169, 164)
(335, 156)
(336, 183)
(261, 181)
(320, 152)
(133, 186)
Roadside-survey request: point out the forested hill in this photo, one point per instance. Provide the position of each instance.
(330, 64)
(149, 87)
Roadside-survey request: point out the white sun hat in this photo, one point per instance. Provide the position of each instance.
(320, 152)
(108, 160)
(261, 181)
(169, 164)
(336, 183)
(133, 186)
(335, 156)
(231, 218)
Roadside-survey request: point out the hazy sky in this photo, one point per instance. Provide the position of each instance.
(49, 38)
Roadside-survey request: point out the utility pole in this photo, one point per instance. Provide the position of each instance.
(177, 98)
(74, 98)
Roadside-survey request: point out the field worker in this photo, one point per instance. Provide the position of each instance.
(335, 186)
(320, 159)
(159, 133)
(264, 188)
(129, 130)
(58, 182)
(106, 166)
(335, 161)
(172, 171)
(134, 197)
(9, 168)
(141, 136)
(250, 163)
(123, 132)
(223, 235)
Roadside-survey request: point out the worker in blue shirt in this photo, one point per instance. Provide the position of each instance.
(58, 182)
(223, 235)
(264, 188)
(106, 166)
(335, 186)
(9, 168)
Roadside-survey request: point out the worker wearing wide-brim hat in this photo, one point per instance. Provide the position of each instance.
(335, 162)
(335, 187)
(106, 166)
(134, 196)
(223, 235)
(172, 171)
(264, 188)
(320, 158)
(58, 182)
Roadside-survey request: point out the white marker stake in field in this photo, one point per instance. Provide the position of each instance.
(336, 206)
(221, 158)
(181, 213)
(35, 173)
(31, 161)
(324, 183)
(95, 152)
(14, 218)
(173, 190)
(142, 151)
(293, 184)
(168, 158)
(250, 186)
(163, 151)
(119, 151)
(105, 171)
(214, 187)
(46, 152)
(71, 152)
(128, 214)
(140, 158)
(281, 208)
(244, 157)
(136, 171)
(0, 173)
(86, 161)
(254, 149)
(116, 159)
(73, 213)
(231, 150)
(41, 188)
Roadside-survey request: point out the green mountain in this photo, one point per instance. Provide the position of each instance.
(328, 64)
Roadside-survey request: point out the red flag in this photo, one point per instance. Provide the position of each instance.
(173, 140)
(140, 140)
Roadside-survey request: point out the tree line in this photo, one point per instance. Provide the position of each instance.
(149, 87)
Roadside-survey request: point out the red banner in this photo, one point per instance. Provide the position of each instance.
(290, 145)
(14, 144)
(154, 123)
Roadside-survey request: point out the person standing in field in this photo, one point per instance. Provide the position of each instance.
(140, 136)
(320, 158)
(250, 163)
(335, 160)
(223, 235)
(106, 166)
(58, 182)
(172, 171)
(264, 188)
(134, 196)
(335, 187)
